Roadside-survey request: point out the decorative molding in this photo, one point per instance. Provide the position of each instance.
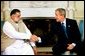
(42, 8)
(38, 4)
(19, 4)
(38, 8)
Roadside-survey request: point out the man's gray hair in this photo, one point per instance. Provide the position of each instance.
(62, 11)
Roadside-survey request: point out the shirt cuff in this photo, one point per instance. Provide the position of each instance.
(39, 40)
(73, 44)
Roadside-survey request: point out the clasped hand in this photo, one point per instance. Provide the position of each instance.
(34, 38)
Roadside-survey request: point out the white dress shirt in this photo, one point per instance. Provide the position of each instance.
(19, 47)
(64, 22)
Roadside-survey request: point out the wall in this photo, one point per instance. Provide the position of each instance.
(74, 9)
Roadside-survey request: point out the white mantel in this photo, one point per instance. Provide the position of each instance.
(43, 8)
(37, 12)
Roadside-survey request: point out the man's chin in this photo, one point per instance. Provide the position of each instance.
(57, 20)
(16, 21)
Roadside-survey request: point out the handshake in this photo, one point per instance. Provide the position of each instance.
(34, 38)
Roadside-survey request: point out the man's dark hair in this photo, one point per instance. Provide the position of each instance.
(14, 11)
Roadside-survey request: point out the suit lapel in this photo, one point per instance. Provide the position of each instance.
(68, 25)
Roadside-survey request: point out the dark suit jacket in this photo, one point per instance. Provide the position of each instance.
(72, 32)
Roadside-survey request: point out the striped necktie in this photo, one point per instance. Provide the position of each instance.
(64, 28)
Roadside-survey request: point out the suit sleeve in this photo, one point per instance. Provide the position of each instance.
(77, 35)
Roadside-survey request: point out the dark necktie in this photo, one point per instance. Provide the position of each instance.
(64, 28)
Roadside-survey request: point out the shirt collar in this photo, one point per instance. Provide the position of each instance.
(64, 21)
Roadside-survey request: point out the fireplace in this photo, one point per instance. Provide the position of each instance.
(40, 26)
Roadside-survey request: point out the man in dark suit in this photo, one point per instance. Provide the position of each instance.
(67, 33)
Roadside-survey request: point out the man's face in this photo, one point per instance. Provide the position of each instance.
(16, 17)
(58, 16)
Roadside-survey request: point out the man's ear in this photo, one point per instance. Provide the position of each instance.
(13, 15)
